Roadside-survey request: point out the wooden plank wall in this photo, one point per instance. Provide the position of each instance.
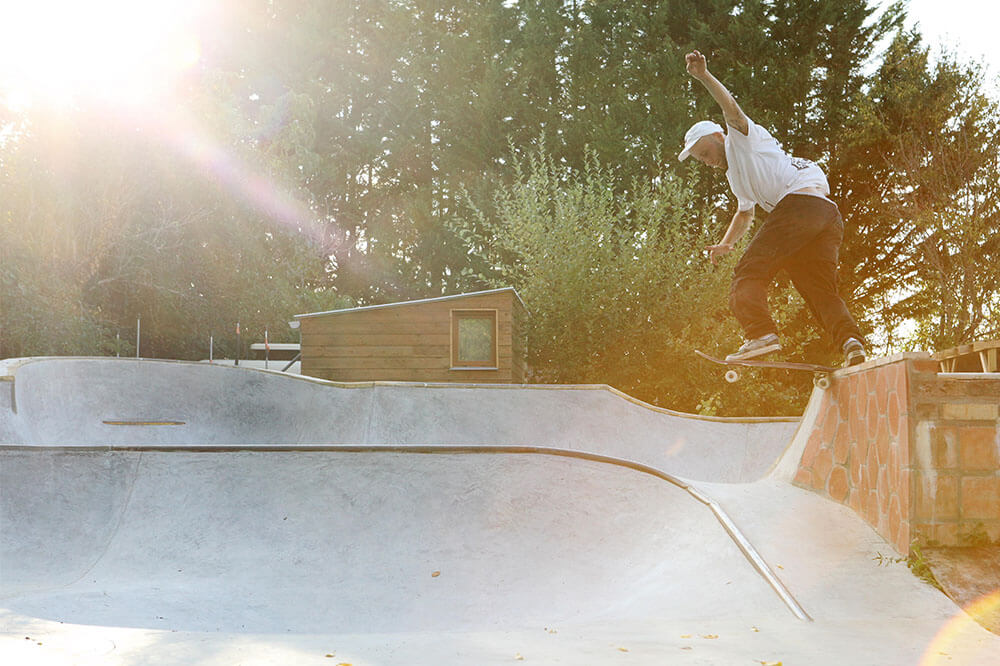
(406, 342)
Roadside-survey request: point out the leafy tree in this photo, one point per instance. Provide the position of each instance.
(89, 250)
(920, 170)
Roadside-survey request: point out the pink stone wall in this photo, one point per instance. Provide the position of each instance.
(858, 451)
(914, 453)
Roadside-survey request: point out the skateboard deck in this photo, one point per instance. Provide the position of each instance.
(821, 373)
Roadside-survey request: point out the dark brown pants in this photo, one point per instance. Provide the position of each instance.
(801, 235)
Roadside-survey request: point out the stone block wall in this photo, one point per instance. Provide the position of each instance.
(914, 453)
(858, 451)
(956, 477)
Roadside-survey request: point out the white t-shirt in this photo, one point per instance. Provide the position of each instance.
(761, 173)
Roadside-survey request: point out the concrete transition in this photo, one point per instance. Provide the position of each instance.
(159, 512)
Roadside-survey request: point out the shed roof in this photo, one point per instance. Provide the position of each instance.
(416, 302)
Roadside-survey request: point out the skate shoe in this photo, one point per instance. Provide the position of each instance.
(854, 352)
(756, 347)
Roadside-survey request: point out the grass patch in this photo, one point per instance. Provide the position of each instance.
(915, 562)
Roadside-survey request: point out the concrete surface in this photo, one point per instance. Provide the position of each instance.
(971, 577)
(68, 402)
(294, 369)
(270, 526)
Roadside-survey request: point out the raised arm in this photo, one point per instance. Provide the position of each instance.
(697, 67)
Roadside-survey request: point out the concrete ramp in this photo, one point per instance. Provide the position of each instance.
(127, 402)
(310, 542)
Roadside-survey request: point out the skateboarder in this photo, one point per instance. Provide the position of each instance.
(801, 234)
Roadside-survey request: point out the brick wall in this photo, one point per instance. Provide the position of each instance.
(956, 478)
(914, 453)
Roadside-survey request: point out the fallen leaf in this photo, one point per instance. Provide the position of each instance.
(621, 649)
(435, 574)
(710, 637)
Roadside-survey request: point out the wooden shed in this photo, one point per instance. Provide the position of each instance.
(475, 337)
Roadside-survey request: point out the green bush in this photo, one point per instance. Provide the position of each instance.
(619, 286)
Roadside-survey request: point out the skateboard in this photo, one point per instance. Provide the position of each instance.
(821, 373)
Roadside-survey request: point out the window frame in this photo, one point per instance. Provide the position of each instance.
(475, 313)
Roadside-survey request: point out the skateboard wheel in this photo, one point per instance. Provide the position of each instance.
(822, 383)
(732, 376)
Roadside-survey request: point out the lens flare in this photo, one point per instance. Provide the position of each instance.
(123, 51)
(246, 182)
(961, 640)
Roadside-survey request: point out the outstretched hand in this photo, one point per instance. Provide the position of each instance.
(697, 65)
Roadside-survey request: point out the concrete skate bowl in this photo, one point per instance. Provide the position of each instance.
(277, 541)
(187, 497)
(128, 402)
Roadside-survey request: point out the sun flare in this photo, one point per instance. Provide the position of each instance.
(118, 51)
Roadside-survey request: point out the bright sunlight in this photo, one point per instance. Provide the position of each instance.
(57, 52)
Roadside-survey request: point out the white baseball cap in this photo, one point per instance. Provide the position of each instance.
(700, 129)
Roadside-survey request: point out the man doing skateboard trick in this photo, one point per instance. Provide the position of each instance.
(801, 234)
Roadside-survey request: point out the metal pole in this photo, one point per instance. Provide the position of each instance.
(211, 346)
(138, 329)
(238, 343)
(267, 350)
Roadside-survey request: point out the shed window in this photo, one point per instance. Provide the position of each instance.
(474, 339)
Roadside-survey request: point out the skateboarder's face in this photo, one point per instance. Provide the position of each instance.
(711, 150)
